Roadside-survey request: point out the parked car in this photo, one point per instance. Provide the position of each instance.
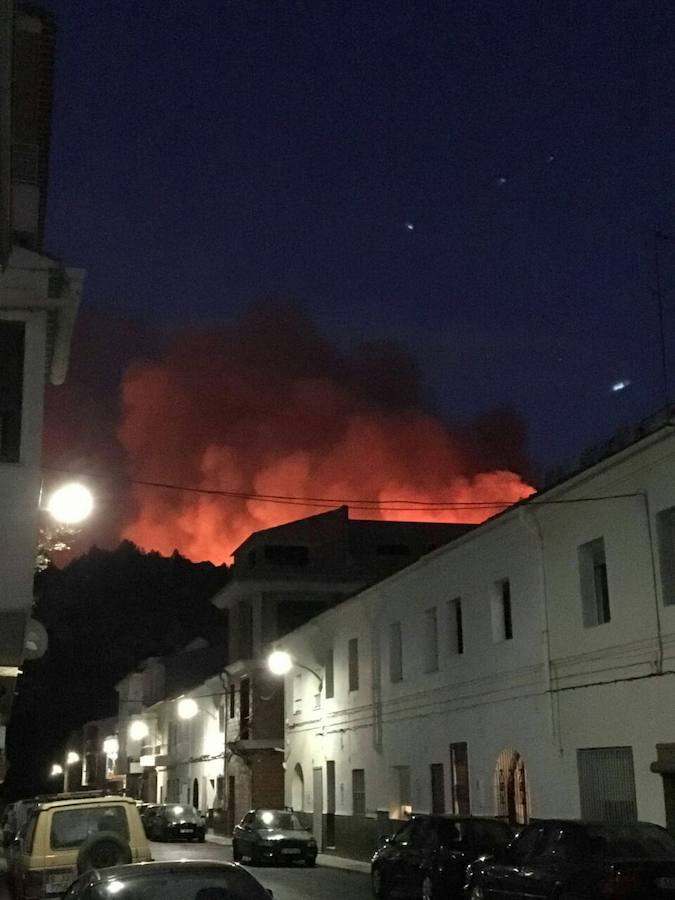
(147, 815)
(573, 859)
(273, 835)
(179, 880)
(427, 857)
(70, 833)
(176, 821)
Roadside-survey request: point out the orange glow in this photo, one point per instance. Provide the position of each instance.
(268, 407)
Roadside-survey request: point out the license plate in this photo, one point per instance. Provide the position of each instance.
(290, 850)
(186, 831)
(56, 884)
(668, 884)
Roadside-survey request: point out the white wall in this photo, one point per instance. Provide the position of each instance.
(535, 694)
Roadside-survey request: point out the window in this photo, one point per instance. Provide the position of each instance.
(395, 652)
(430, 640)
(11, 389)
(232, 698)
(354, 664)
(330, 675)
(244, 709)
(437, 788)
(221, 718)
(286, 555)
(358, 792)
(594, 585)
(456, 628)
(172, 737)
(459, 778)
(297, 695)
(607, 784)
(72, 827)
(665, 528)
(502, 623)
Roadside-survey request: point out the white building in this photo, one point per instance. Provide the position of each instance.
(39, 298)
(168, 751)
(525, 669)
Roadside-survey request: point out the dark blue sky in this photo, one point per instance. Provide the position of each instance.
(207, 153)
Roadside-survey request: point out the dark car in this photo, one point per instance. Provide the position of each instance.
(148, 813)
(179, 880)
(584, 860)
(176, 822)
(273, 835)
(427, 857)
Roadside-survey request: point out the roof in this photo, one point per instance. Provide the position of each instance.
(329, 524)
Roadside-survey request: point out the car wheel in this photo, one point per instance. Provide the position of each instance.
(378, 883)
(103, 850)
(236, 852)
(201, 838)
(310, 861)
(427, 888)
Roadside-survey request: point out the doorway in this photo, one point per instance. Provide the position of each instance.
(317, 806)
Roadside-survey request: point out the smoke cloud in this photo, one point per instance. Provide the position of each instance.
(269, 406)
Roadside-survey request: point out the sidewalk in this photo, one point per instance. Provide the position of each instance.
(323, 859)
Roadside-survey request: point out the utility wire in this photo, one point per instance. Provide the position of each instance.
(394, 505)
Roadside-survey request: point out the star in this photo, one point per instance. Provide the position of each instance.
(409, 226)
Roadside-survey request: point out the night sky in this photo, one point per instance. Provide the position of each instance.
(479, 182)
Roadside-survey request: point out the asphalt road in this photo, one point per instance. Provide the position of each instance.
(286, 882)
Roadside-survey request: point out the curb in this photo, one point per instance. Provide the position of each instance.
(323, 859)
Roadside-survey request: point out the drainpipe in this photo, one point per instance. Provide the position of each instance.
(657, 609)
(531, 522)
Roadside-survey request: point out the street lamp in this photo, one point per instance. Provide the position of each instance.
(56, 770)
(279, 662)
(138, 729)
(71, 759)
(70, 504)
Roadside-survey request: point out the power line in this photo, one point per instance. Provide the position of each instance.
(395, 505)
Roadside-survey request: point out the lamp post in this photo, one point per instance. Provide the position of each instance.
(71, 759)
(279, 662)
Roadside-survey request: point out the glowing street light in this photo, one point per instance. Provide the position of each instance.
(56, 770)
(279, 662)
(72, 757)
(70, 504)
(187, 708)
(138, 730)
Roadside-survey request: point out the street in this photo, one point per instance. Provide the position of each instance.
(286, 883)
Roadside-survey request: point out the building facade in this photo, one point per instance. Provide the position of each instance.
(39, 298)
(525, 669)
(281, 578)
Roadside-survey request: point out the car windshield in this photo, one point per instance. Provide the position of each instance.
(230, 885)
(182, 813)
(274, 818)
(630, 841)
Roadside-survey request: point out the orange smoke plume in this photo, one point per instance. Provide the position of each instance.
(268, 406)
